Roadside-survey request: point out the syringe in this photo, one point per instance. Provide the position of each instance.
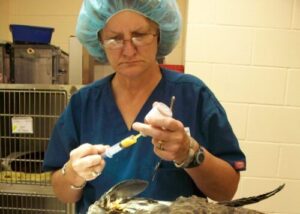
(125, 143)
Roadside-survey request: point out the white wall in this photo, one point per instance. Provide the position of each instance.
(248, 52)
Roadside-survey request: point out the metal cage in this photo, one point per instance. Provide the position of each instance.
(28, 203)
(27, 116)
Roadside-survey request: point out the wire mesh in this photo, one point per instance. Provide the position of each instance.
(16, 203)
(27, 117)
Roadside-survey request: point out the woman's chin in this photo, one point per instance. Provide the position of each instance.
(131, 71)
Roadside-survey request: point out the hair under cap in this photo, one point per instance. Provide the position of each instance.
(94, 15)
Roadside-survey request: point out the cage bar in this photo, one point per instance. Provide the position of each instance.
(22, 203)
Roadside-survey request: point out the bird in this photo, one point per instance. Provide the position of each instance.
(121, 199)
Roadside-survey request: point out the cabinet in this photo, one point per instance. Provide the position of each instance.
(38, 64)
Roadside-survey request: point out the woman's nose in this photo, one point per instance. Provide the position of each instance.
(129, 49)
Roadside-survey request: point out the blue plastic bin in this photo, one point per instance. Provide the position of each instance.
(25, 34)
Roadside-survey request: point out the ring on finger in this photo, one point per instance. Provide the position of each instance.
(95, 174)
(160, 145)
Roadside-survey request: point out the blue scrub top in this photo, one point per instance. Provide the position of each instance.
(92, 116)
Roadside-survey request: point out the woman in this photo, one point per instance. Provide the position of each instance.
(132, 35)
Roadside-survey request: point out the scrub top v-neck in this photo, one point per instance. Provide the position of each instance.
(111, 104)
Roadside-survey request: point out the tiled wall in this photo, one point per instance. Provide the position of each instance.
(248, 53)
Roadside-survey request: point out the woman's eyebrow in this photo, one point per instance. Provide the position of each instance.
(142, 28)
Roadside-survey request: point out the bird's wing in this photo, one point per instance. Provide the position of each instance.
(251, 200)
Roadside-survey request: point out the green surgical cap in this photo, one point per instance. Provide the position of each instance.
(94, 15)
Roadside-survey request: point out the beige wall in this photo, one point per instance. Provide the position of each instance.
(59, 14)
(248, 52)
(4, 17)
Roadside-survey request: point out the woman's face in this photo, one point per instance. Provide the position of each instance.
(130, 43)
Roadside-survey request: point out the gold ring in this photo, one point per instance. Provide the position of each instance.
(95, 174)
(160, 146)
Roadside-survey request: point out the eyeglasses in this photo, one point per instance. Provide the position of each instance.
(137, 40)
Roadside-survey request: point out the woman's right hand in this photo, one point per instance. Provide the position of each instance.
(86, 162)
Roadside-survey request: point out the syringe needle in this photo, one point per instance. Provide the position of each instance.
(172, 103)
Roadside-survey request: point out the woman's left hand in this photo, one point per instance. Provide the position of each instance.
(169, 138)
